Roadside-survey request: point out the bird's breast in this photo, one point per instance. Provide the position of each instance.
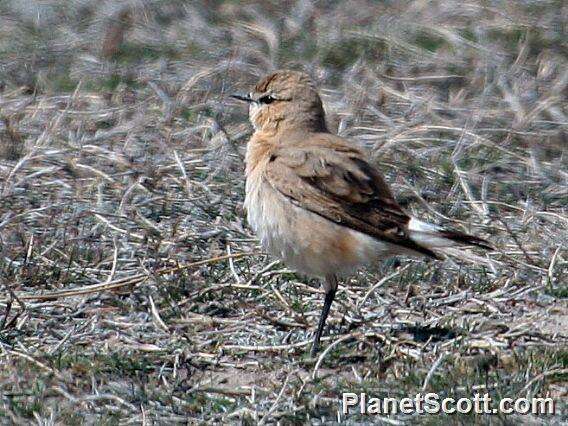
(304, 240)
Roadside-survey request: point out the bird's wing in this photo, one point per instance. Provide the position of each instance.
(332, 179)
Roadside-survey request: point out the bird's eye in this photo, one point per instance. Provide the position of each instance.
(268, 99)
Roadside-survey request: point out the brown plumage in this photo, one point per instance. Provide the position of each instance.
(325, 176)
(313, 198)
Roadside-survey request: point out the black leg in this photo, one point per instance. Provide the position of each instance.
(330, 289)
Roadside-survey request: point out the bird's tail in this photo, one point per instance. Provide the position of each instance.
(435, 237)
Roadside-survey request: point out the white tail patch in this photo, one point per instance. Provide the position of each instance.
(428, 235)
(419, 226)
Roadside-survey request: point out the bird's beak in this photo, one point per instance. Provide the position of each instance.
(246, 98)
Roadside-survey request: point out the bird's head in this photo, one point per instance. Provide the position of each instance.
(285, 100)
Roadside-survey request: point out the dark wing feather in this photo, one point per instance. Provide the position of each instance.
(337, 183)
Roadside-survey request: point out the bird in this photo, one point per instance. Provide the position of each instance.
(315, 200)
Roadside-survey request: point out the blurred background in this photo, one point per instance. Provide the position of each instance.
(132, 290)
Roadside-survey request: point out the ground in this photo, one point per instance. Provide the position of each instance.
(132, 289)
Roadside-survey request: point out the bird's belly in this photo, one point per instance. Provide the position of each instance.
(306, 241)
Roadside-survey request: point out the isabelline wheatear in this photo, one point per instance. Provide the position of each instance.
(313, 198)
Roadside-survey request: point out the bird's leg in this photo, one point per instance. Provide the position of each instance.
(330, 287)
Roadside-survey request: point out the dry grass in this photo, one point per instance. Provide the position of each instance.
(132, 289)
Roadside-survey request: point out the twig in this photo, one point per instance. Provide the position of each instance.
(380, 283)
(36, 362)
(434, 367)
(275, 404)
(132, 280)
(161, 324)
(541, 376)
(328, 350)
